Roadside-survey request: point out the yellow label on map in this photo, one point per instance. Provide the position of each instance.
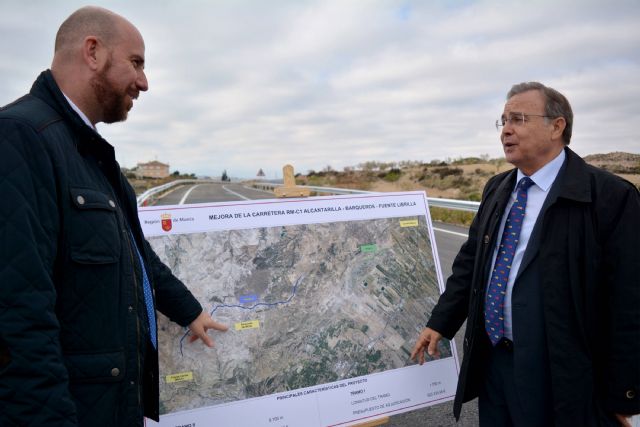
(251, 324)
(182, 376)
(409, 223)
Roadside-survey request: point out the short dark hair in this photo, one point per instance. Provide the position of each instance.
(556, 104)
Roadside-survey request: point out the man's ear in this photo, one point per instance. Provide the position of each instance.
(91, 52)
(559, 123)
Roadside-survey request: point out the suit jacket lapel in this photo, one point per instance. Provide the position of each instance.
(497, 206)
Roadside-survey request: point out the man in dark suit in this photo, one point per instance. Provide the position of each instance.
(547, 282)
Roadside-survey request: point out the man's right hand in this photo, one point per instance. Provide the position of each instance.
(428, 341)
(201, 324)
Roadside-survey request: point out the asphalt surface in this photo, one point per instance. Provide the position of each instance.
(448, 238)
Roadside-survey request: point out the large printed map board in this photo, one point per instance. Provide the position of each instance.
(325, 298)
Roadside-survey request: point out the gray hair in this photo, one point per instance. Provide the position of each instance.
(556, 104)
(87, 21)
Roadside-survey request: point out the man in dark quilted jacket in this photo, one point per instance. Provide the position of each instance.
(79, 284)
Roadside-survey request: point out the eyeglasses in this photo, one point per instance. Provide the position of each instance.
(516, 119)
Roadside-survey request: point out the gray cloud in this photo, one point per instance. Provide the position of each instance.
(243, 85)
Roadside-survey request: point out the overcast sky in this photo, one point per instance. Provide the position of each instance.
(243, 85)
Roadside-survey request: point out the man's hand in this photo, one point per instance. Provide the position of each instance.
(428, 341)
(200, 326)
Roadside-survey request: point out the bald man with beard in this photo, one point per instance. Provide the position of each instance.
(79, 284)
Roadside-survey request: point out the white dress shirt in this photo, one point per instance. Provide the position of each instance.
(537, 194)
(80, 113)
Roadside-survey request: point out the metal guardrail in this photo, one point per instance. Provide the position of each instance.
(150, 193)
(461, 205)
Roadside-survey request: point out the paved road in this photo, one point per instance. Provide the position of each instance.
(211, 192)
(449, 238)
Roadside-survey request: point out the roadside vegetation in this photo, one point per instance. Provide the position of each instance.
(461, 178)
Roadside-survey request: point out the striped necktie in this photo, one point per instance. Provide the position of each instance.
(494, 304)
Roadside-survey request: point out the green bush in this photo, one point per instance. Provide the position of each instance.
(447, 171)
(451, 216)
(393, 175)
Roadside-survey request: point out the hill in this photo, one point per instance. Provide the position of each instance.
(463, 178)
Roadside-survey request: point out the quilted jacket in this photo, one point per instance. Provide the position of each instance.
(74, 336)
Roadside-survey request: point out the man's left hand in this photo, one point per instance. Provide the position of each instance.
(200, 326)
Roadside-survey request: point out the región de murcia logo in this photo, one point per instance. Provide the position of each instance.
(166, 221)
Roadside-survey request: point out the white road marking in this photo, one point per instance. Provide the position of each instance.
(451, 232)
(184, 198)
(234, 193)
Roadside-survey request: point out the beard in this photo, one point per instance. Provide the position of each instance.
(113, 101)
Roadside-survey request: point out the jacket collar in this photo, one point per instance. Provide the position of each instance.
(504, 190)
(574, 180)
(88, 141)
(575, 184)
(46, 89)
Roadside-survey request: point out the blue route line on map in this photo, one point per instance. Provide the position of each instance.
(259, 304)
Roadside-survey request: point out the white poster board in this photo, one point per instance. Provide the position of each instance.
(325, 298)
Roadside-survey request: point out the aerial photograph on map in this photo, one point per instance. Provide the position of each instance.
(305, 305)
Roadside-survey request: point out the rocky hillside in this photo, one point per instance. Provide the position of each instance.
(462, 179)
(617, 162)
